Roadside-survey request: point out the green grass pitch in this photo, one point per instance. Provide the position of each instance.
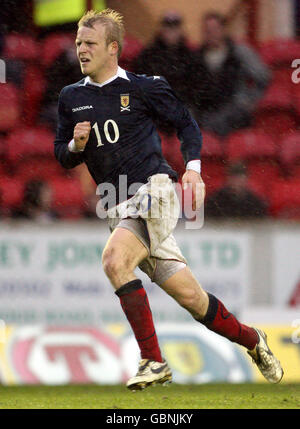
(174, 396)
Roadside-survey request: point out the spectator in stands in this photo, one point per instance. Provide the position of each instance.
(15, 68)
(228, 79)
(37, 203)
(235, 200)
(62, 72)
(168, 55)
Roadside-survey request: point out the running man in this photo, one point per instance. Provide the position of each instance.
(107, 120)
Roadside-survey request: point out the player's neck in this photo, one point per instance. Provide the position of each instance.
(104, 75)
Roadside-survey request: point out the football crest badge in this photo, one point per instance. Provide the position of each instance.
(125, 102)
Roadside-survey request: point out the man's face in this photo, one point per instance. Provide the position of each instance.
(213, 32)
(92, 51)
(171, 35)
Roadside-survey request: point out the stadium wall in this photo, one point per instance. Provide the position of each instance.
(47, 272)
(61, 322)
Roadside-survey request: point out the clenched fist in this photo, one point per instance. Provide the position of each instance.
(81, 134)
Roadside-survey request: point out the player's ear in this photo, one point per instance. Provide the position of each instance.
(113, 48)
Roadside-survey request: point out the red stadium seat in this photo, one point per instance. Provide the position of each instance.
(11, 190)
(33, 93)
(297, 103)
(281, 76)
(258, 188)
(21, 46)
(280, 51)
(213, 166)
(39, 168)
(213, 174)
(249, 144)
(276, 123)
(212, 146)
(27, 142)
(54, 45)
(290, 149)
(279, 94)
(264, 171)
(276, 98)
(2, 157)
(3, 171)
(295, 172)
(285, 199)
(171, 150)
(261, 174)
(68, 198)
(10, 107)
(276, 113)
(296, 97)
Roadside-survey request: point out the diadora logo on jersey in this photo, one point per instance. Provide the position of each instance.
(125, 102)
(76, 109)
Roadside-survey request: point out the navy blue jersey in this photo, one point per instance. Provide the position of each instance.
(123, 138)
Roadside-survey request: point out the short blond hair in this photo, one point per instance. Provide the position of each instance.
(111, 20)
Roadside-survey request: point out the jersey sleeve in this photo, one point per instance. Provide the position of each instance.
(64, 135)
(165, 105)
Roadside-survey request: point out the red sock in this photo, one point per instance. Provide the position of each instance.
(219, 320)
(136, 306)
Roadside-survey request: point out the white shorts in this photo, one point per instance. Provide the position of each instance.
(152, 214)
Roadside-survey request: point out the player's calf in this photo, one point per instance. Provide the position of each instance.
(221, 321)
(188, 293)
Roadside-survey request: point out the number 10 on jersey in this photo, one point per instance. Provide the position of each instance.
(111, 132)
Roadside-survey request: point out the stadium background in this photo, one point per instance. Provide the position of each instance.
(60, 321)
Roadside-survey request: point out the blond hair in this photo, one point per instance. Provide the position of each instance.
(111, 20)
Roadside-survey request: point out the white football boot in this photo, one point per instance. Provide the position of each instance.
(266, 362)
(149, 374)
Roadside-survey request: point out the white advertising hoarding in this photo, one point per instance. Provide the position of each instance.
(53, 275)
(286, 268)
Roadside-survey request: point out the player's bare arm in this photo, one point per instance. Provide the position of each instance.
(81, 134)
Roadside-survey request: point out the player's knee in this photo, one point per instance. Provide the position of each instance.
(110, 262)
(114, 263)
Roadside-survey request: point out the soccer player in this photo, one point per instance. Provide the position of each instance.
(107, 120)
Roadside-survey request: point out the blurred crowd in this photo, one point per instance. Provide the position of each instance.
(243, 99)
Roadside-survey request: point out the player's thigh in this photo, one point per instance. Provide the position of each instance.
(187, 291)
(123, 249)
